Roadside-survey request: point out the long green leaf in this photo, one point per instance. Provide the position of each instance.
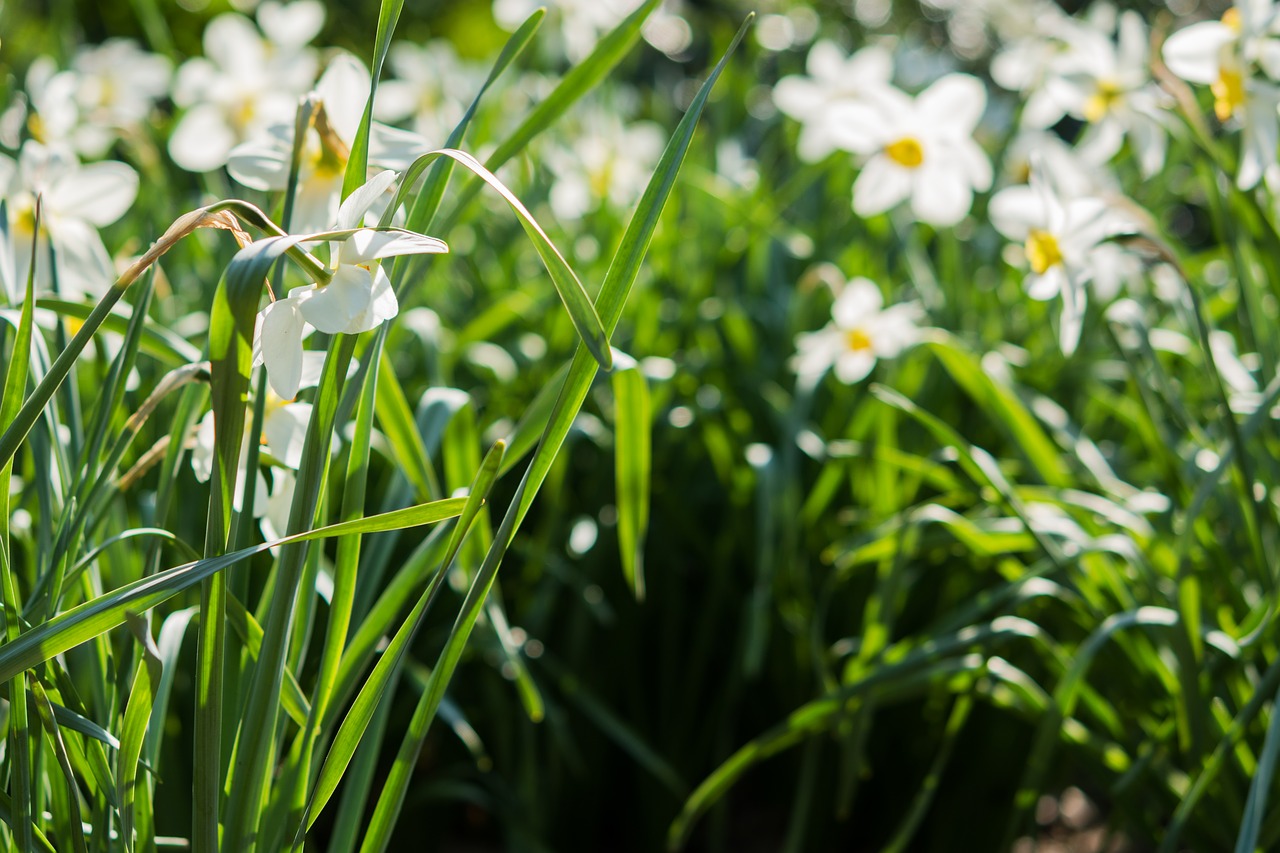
(631, 459)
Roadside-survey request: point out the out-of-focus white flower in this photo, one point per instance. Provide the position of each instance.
(76, 201)
(357, 298)
(1224, 55)
(921, 149)
(581, 21)
(1067, 168)
(1063, 240)
(832, 79)
(244, 83)
(284, 431)
(117, 86)
(1107, 83)
(430, 89)
(263, 162)
(608, 165)
(861, 331)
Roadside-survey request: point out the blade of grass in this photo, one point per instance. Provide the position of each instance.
(631, 455)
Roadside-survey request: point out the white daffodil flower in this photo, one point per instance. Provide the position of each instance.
(608, 166)
(1063, 241)
(1224, 55)
(263, 162)
(861, 331)
(284, 432)
(1107, 83)
(429, 89)
(356, 299)
(244, 83)
(76, 201)
(921, 149)
(833, 78)
(581, 22)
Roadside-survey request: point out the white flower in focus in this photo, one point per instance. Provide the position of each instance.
(921, 149)
(244, 83)
(263, 162)
(1224, 56)
(76, 201)
(429, 89)
(832, 78)
(1063, 241)
(609, 165)
(861, 331)
(356, 299)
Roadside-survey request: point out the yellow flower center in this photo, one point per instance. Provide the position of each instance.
(1231, 18)
(1228, 92)
(857, 340)
(35, 125)
(1105, 98)
(1042, 251)
(907, 152)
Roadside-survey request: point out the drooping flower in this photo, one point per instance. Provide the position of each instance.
(832, 79)
(356, 299)
(263, 162)
(1064, 244)
(861, 331)
(245, 82)
(76, 201)
(920, 149)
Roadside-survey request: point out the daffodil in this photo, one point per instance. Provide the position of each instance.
(263, 162)
(833, 78)
(920, 149)
(608, 166)
(358, 296)
(245, 82)
(1063, 243)
(861, 331)
(1225, 55)
(1106, 82)
(429, 89)
(76, 201)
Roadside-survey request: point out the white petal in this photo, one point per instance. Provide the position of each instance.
(84, 267)
(368, 245)
(799, 97)
(344, 89)
(383, 305)
(955, 102)
(291, 24)
(342, 302)
(232, 41)
(262, 163)
(394, 148)
(202, 139)
(1193, 53)
(281, 346)
(940, 196)
(853, 126)
(202, 452)
(99, 193)
(881, 185)
(859, 300)
(853, 365)
(284, 430)
(351, 213)
(1014, 211)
